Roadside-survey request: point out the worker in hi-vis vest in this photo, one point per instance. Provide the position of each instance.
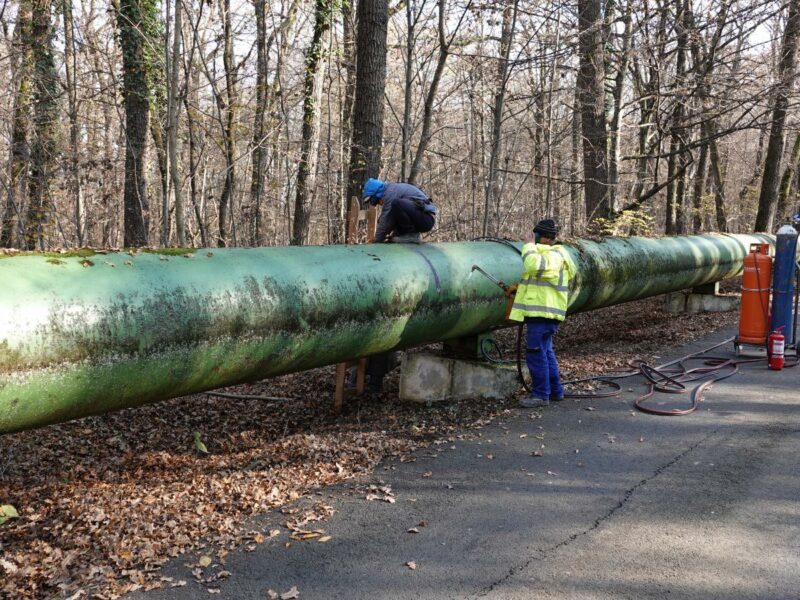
(541, 302)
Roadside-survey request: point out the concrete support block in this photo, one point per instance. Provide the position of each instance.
(675, 302)
(427, 378)
(702, 303)
(686, 302)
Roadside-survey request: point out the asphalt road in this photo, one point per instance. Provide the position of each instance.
(619, 505)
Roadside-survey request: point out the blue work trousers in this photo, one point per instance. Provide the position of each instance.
(542, 363)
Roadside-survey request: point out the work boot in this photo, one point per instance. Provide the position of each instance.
(556, 398)
(533, 402)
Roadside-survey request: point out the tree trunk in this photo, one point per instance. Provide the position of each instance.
(788, 179)
(309, 150)
(676, 191)
(158, 132)
(750, 183)
(365, 151)
(615, 132)
(173, 108)
(226, 198)
(717, 176)
(259, 148)
(191, 100)
(348, 59)
(590, 83)
(19, 151)
(131, 23)
(410, 76)
(492, 193)
(264, 98)
(74, 178)
(430, 98)
(575, 164)
(698, 188)
(672, 160)
(45, 126)
(704, 67)
(767, 201)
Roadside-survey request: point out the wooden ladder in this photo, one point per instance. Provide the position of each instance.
(355, 216)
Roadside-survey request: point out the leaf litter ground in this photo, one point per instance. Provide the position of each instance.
(105, 501)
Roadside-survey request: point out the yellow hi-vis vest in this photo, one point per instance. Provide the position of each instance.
(544, 288)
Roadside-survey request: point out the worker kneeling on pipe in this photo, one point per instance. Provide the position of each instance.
(541, 302)
(407, 211)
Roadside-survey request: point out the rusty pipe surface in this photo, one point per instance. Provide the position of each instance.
(88, 333)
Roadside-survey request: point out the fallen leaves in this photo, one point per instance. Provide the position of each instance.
(292, 594)
(110, 499)
(412, 565)
(8, 566)
(383, 493)
(301, 535)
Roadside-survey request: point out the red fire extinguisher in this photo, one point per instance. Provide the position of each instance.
(775, 346)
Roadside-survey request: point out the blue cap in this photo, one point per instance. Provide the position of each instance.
(373, 190)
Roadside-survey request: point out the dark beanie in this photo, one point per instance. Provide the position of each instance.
(547, 228)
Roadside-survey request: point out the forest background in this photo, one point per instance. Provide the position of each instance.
(232, 122)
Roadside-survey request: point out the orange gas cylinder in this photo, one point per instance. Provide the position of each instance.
(756, 284)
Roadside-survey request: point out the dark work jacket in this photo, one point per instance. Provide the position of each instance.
(402, 213)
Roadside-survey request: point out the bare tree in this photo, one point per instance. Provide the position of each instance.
(498, 110)
(312, 91)
(226, 105)
(71, 70)
(365, 153)
(347, 100)
(492, 194)
(767, 201)
(620, 69)
(413, 15)
(19, 150)
(173, 108)
(591, 90)
(445, 44)
(133, 22)
(44, 147)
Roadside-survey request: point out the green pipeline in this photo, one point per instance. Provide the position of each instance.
(87, 334)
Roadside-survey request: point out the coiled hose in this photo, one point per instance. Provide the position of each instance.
(672, 377)
(669, 378)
